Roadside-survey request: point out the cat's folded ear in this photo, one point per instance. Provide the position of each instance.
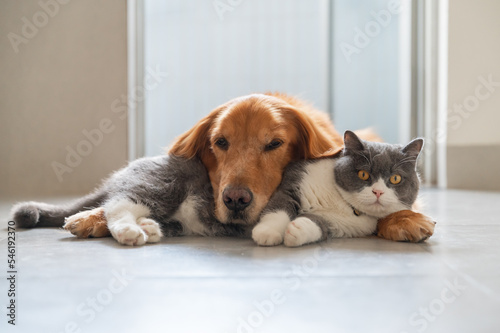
(414, 147)
(352, 142)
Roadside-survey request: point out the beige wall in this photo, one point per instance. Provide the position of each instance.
(474, 130)
(474, 52)
(61, 82)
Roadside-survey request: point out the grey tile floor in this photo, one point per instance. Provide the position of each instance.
(450, 284)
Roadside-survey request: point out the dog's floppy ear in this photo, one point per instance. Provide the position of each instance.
(196, 141)
(314, 136)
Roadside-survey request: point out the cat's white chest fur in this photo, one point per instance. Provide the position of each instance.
(319, 195)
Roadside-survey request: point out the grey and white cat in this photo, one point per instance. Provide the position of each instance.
(341, 196)
(150, 198)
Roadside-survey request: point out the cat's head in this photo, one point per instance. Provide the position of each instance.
(378, 179)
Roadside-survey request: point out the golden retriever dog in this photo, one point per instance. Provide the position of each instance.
(245, 144)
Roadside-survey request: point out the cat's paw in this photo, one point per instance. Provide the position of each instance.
(151, 228)
(87, 224)
(302, 231)
(264, 235)
(129, 234)
(406, 226)
(271, 228)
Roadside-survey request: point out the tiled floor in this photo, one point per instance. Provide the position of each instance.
(450, 284)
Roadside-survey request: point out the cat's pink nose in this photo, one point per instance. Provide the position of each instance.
(378, 193)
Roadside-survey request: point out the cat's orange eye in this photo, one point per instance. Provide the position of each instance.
(364, 175)
(395, 179)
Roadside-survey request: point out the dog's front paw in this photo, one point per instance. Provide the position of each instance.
(129, 234)
(302, 231)
(89, 223)
(406, 226)
(151, 228)
(266, 236)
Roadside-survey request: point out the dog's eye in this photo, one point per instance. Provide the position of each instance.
(273, 144)
(222, 143)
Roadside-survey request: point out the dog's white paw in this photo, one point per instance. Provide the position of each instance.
(266, 236)
(151, 228)
(129, 234)
(302, 231)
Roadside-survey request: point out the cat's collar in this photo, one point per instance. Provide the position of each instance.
(356, 212)
(359, 213)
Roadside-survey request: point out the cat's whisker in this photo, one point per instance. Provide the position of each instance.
(366, 158)
(406, 160)
(400, 164)
(409, 158)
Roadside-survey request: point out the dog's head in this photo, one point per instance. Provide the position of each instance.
(246, 144)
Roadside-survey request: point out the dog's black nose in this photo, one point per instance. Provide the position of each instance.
(236, 198)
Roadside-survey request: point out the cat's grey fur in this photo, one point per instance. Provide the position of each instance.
(161, 183)
(382, 160)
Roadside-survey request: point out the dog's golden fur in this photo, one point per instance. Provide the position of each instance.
(249, 124)
(406, 226)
